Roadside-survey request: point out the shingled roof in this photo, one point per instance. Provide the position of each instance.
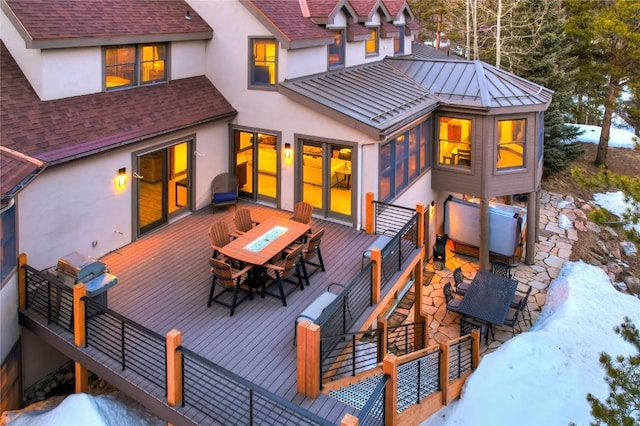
(64, 129)
(73, 23)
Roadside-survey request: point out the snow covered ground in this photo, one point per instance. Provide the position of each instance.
(618, 138)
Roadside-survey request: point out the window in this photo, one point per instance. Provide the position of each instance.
(511, 142)
(455, 142)
(263, 63)
(403, 160)
(371, 45)
(398, 43)
(128, 66)
(9, 251)
(336, 50)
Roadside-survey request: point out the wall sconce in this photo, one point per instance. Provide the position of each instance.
(287, 151)
(122, 177)
(432, 207)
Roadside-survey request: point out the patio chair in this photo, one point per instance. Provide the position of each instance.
(461, 285)
(302, 212)
(452, 302)
(467, 325)
(310, 251)
(501, 268)
(220, 237)
(282, 271)
(224, 190)
(229, 279)
(523, 297)
(243, 221)
(512, 319)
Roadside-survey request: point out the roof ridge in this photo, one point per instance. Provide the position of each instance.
(22, 156)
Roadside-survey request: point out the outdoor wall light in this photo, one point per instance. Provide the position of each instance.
(432, 207)
(122, 177)
(287, 151)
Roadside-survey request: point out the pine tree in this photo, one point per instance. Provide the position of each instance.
(606, 38)
(622, 406)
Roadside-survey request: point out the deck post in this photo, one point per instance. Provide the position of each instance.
(174, 367)
(444, 372)
(349, 420)
(390, 367)
(418, 288)
(80, 335)
(22, 281)
(533, 213)
(308, 359)
(376, 275)
(369, 211)
(382, 325)
(475, 348)
(420, 212)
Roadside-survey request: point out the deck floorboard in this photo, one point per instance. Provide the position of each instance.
(164, 280)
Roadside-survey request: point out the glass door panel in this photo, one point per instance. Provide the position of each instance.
(244, 162)
(163, 185)
(151, 191)
(341, 179)
(267, 159)
(256, 163)
(313, 174)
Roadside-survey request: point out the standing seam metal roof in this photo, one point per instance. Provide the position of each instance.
(377, 95)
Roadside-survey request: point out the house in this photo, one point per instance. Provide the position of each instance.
(321, 101)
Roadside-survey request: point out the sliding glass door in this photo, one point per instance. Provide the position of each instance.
(256, 165)
(163, 185)
(327, 180)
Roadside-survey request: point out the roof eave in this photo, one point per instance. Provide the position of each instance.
(67, 154)
(111, 41)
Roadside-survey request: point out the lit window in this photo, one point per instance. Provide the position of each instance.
(263, 63)
(371, 45)
(455, 142)
(511, 143)
(127, 66)
(336, 50)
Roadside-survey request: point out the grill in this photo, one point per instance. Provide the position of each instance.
(78, 268)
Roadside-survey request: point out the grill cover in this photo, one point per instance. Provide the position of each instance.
(76, 268)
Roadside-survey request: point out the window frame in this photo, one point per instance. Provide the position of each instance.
(9, 258)
(452, 159)
(518, 127)
(252, 66)
(395, 159)
(398, 44)
(136, 65)
(340, 50)
(373, 41)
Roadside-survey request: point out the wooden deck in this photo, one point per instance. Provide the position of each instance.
(164, 281)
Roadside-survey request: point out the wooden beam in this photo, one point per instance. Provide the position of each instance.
(390, 367)
(174, 368)
(376, 275)
(533, 214)
(475, 348)
(22, 281)
(369, 210)
(308, 359)
(444, 372)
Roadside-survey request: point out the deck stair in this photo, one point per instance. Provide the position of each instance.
(357, 394)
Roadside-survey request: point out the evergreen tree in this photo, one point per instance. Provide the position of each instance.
(622, 406)
(606, 39)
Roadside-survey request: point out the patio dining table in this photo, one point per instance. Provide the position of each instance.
(265, 241)
(488, 298)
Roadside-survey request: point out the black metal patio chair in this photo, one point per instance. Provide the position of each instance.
(501, 268)
(461, 285)
(452, 302)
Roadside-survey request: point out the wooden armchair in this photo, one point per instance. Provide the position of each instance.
(224, 190)
(243, 221)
